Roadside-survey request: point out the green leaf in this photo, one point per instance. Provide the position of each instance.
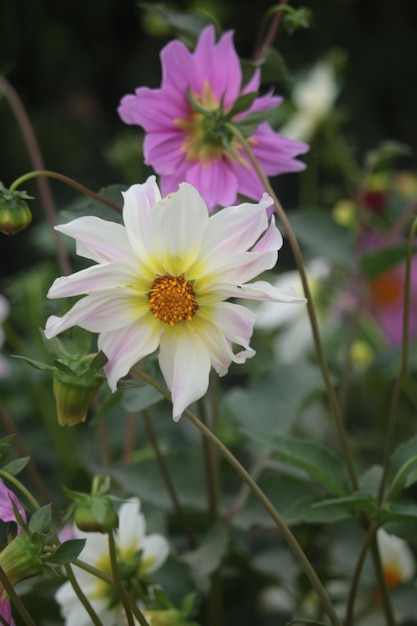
(357, 501)
(140, 397)
(403, 511)
(67, 552)
(273, 67)
(323, 237)
(36, 364)
(242, 103)
(40, 522)
(321, 462)
(375, 263)
(308, 511)
(401, 470)
(88, 206)
(5, 445)
(16, 466)
(207, 557)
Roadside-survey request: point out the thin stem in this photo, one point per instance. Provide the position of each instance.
(82, 597)
(211, 473)
(67, 181)
(38, 164)
(334, 405)
(16, 482)
(15, 600)
(356, 575)
(382, 583)
(129, 436)
(404, 360)
(117, 581)
(276, 15)
(246, 477)
(188, 531)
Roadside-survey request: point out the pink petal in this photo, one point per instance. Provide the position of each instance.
(216, 182)
(260, 290)
(126, 346)
(185, 364)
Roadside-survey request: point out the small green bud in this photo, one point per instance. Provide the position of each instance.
(93, 519)
(72, 400)
(170, 617)
(15, 214)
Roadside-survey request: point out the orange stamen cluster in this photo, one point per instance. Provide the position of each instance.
(172, 299)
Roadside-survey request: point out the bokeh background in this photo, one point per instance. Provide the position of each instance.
(72, 62)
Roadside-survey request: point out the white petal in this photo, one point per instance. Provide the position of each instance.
(236, 322)
(95, 278)
(98, 239)
(125, 347)
(138, 203)
(132, 526)
(177, 228)
(260, 290)
(185, 363)
(100, 312)
(155, 552)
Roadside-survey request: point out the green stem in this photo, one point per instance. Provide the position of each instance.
(67, 181)
(356, 575)
(117, 581)
(16, 482)
(276, 13)
(404, 361)
(82, 597)
(334, 405)
(15, 600)
(37, 162)
(246, 477)
(188, 531)
(382, 583)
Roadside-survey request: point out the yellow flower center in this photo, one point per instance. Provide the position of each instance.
(172, 299)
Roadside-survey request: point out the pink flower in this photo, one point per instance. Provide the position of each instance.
(7, 498)
(5, 608)
(183, 144)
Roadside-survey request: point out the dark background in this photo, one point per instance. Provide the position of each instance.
(71, 62)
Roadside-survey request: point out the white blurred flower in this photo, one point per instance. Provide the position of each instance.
(297, 338)
(314, 98)
(4, 312)
(397, 559)
(140, 554)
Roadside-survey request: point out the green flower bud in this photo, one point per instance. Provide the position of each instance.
(21, 558)
(72, 399)
(15, 214)
(170, 617)
(96, 516)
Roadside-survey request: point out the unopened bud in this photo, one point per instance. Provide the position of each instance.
(15, 214)
(72, 400)
(96, 516)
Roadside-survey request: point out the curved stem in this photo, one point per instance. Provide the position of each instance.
(382, 583)
(333, 402)
(117, 581)
(188, 531)
(16, 482)
(280, 523)
(276, 14)
(404, 360)
(67, 181)
(15, 600)
(82, 597)
(37, 161)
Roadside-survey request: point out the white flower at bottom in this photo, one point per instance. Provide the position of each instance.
(162, 280)
(131, 539)
(397, 558)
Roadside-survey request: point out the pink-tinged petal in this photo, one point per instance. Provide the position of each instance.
(6, 609)
(263, 103)
(271, 240)
(151, 109)
(249, 183)
(176, 229)
(125, 347)
(97, 239)
(94, 279)
(236, 322)
(99, 312)
(138, 202)
(220, 350)
(185, 364)
(237, 269)
(260, 290)
(170, 182)
(216, 182)
(253, 83)
(155, 552)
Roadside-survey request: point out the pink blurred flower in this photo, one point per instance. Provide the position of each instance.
(386, 302)
(5, 608)
(181, 143)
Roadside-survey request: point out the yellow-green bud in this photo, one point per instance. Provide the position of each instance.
(72, 400)
(170, 617)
